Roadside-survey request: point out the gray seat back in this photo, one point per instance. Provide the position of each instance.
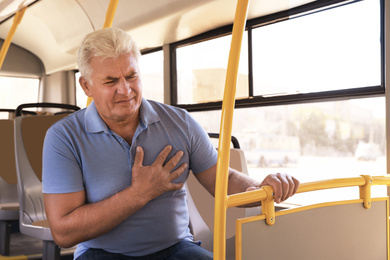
(201, 208)
(29, 136)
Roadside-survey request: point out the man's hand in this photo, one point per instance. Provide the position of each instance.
(157, 178)
(284, 186)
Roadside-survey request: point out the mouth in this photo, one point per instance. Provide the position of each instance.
(125, 101)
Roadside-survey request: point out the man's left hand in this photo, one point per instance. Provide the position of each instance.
(283, 184)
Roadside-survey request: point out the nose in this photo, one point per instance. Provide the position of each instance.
(123, 87)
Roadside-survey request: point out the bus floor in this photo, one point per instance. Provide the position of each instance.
(29, 247)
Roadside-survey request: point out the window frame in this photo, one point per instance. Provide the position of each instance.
(258, 101)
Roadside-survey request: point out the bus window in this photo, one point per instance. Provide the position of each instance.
(312, 141)
(329, 50)
(15, 91)
(201, 70)
(81, 98)
(152, 74)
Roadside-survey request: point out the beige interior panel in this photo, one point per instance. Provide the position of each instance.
(7, 152)
(34, 131)
(333, 232)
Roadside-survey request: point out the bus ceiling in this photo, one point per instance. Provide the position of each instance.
(53, 29)
(8, 8)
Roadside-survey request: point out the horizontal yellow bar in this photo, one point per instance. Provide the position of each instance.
(331, 184)
(381, 180)
(246, 198)
(20, 257)
(243, 198)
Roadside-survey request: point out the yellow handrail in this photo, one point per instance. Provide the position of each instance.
(243, 198)
(4, 49)
(226, 130)
(110, 13)
(268, 213)
(107, 24)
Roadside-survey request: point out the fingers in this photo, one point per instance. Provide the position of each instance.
(176, 186)
(171, 164)
(173, 161)
(296, 185)
(288, 187)
(176, 173)
(139, 156)
(159, 177)
(163, 155)
(160, 161)
(284, 186)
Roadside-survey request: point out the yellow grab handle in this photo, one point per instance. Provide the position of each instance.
(110, 13)
(226, 131)
(364, 182)
(107, 24)
(4, 49)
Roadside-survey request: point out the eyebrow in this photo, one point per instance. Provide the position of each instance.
(112, 78)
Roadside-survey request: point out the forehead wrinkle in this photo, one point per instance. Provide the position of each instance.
(118, 66)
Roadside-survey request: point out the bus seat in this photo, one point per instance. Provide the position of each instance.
(29, 136)
(9, 205)
(334, 230)
(201, 208)
(34, 136)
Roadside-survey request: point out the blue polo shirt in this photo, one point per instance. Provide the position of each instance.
(81, 153)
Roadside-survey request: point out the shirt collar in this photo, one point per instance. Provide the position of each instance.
(147, 113)
(95, 124)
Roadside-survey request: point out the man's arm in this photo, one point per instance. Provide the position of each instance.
(284, 185)
(72, 220)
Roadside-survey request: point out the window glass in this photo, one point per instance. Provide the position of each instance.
(81, 98)
(152, 74)
(201, 70)
(314, 141)
(16, 91)
(330, 50)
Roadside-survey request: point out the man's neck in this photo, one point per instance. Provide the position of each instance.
(126, 129)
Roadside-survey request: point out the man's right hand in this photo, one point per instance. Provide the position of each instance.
(157, 178)
(73, 220)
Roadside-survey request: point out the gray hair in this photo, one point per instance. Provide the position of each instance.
(104, 43)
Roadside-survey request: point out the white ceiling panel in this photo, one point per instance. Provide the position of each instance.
(53, 29)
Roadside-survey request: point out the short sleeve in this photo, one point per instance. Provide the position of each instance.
(61, 172)
(203, 153)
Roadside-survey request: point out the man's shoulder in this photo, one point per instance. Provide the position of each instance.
(164, 108)
(71, 122)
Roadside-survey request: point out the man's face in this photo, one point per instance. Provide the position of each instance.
(116, 88)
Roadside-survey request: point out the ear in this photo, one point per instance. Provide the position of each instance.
(85, 86)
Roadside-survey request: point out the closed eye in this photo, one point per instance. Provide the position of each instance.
(132, 77)
(110, 81)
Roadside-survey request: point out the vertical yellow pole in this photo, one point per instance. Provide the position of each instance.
(226, 131)
(4, 49)
(110, 13)
(107, 24)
